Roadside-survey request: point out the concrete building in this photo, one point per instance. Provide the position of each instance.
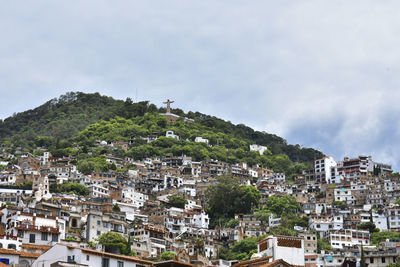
(325, 170)
(258, 148)
(349, 238)
(310, 243)
(288, 248)
(201, 140)
(76, 256)
(96, 190)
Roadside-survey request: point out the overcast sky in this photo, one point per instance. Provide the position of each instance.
(323, 74)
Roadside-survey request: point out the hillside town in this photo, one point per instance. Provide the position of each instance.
(339, 199)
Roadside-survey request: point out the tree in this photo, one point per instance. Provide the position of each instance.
(362, 262)
(241, 250)
(167, 255)
(232, 223)
(370, 226)
(221, 197)
(282, 230)
(323, 244)
(72, 188)
(379, 237)
(228, 197)
(116, 207)
(177, 201)
(113, 242)
(249, 198)
(199, 246)
(282, 205)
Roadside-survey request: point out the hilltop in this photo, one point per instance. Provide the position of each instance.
(80, 119)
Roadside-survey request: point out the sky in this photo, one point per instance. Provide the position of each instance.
(323, 74)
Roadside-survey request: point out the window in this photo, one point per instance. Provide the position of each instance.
(120, 264)
(32, 238)
(44, 236)
(105, 262)
(371, 260)
(383, 259)
(98, 223)
(54, 238)
(87, 257)
(21, 233)
(71, 258)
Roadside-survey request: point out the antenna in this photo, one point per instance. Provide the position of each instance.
(136, 96)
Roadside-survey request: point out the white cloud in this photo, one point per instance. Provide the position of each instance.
(320, 73)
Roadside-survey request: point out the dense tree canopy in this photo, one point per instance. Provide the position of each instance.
(280, 206)
(167, 255)
(378, 237)
(241, 250)
(177, 201)
(56, 124)
(114, 243)
(74, 188)
(228, 197)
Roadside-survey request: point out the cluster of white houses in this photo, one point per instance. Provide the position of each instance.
(41, 228)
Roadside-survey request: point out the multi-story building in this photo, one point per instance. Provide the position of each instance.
(66, 255)
(148, 240)
(393, 218)
(96, 190)
(325, 170)
(349, 238)
(310, 242)
(39, 229)
(355, 167)
(99, 223)
(288, 248)
(344, 195)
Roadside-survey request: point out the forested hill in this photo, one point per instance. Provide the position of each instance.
(63, 119)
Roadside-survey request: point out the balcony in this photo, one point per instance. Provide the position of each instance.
(35, 228)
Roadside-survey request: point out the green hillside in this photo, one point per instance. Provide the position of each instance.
(79, 119)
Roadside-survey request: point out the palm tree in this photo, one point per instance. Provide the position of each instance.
(199, 246)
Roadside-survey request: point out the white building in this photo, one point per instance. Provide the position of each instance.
(86, 257)
(344, 195)
(201, 220)
(325, 170)
(322, 224)
(258, 148)
(253, 173)
(35, 228)
(137, 199)
(189, 188)
(394, 218)
(349, 238)
(380, 221)
(172, 134)
(96, 190)
(279, 177)
(201, 140)
(337, 222)
(287, 248)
